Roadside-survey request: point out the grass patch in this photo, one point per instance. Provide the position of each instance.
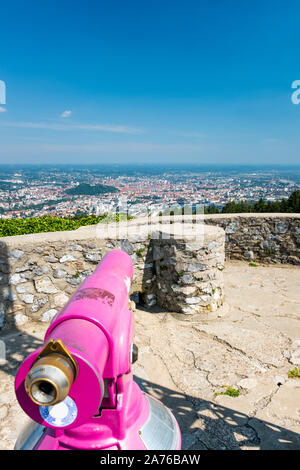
(269, 252)
(139, 252)
(231, 392)
(294, 373)
(253, 265)
(180, 273)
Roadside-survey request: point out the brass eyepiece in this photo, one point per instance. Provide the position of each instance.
(49, 380)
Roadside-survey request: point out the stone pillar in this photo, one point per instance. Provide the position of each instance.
(188, 266)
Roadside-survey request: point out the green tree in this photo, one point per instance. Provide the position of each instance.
(212, 209)
(259, 206)
(293, 201)
(292, 204)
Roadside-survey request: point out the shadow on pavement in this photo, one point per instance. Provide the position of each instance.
(204, 424)
(208, 425)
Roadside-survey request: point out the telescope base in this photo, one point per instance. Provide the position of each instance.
(155, 429)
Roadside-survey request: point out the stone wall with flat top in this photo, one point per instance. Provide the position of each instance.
(39, 272)
(267, 238)
(189, 277)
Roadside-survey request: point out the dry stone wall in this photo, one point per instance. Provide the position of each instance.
(39, 272)
(268, 238)
(37, 280)
(188, 271)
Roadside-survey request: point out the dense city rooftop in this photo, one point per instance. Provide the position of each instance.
(34, 192)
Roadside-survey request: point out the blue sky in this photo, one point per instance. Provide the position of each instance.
(150, 82)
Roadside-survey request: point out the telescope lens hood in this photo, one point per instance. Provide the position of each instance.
(49, 380)
(43, 392)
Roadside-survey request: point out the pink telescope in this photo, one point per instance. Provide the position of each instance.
(78, 388)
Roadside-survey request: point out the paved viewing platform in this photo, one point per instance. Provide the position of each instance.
(245, 348)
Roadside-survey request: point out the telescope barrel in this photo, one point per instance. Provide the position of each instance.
(79, 385)
(87, 343)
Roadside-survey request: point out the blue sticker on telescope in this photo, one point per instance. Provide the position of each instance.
(60, 415)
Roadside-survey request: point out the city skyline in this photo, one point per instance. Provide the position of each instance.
(123, 83)
(72, 191)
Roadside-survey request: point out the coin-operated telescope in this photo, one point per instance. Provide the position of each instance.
(78, 388)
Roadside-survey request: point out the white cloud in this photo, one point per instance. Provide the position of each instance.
(66, 114)
(2, 110)
(75, 127)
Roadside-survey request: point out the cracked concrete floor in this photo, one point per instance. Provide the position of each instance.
(250, 344)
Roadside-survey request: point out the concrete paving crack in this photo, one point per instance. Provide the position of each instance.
(257, 439)
(207, 372)
(264, 401)
(261, 366)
